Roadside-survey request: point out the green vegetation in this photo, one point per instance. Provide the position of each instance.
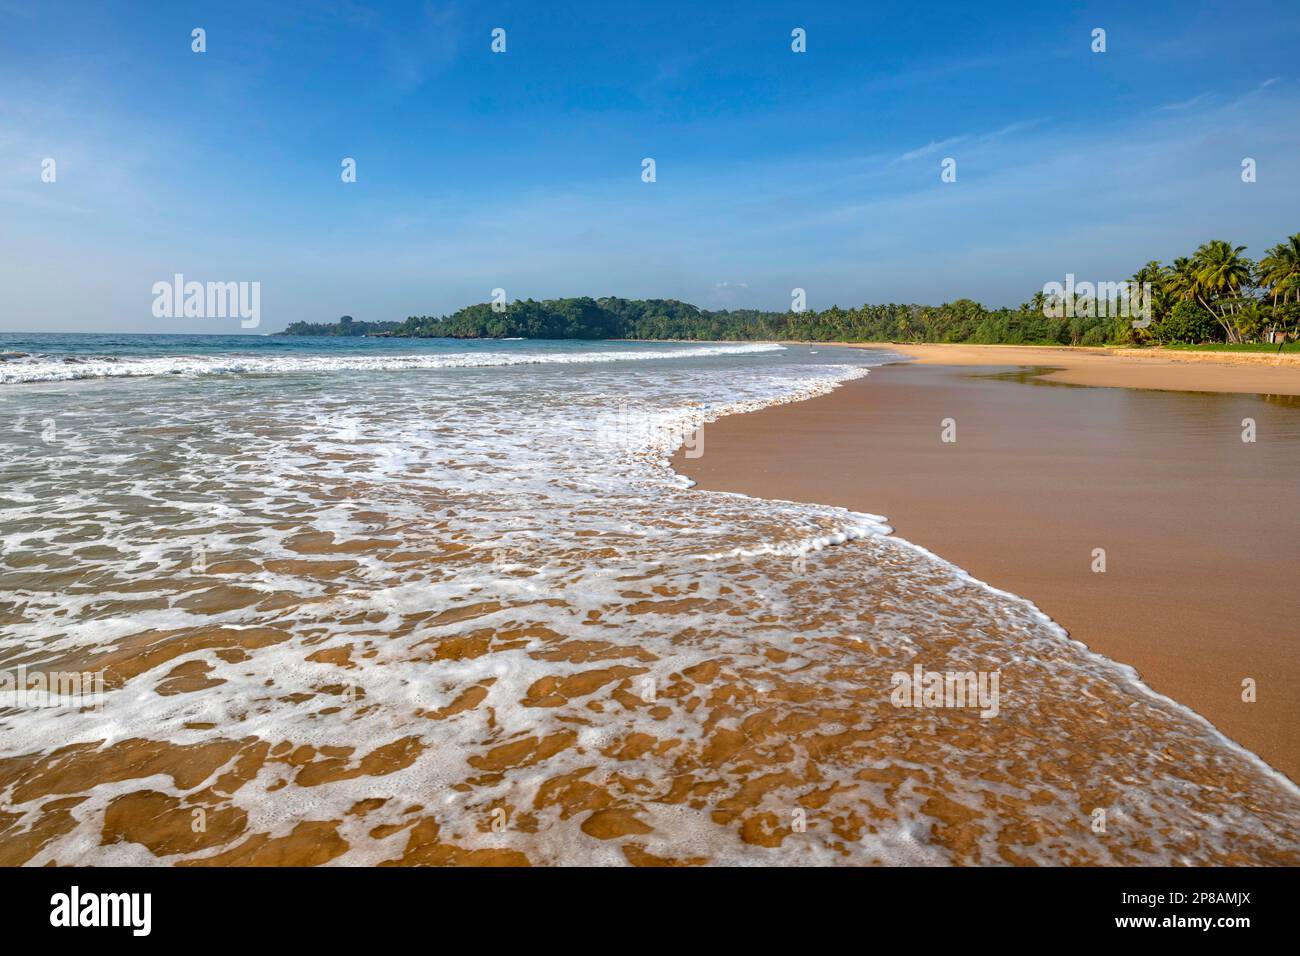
(1268, 347)
(1218, 295)
(345, 326)
(1214, 296)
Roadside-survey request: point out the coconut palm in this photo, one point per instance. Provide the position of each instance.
(1181, 281)
(1157, 276)
(1251, 319)
(1279, 270)
(1152, 272)
(1219, 272)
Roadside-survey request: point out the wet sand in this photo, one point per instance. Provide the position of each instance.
(1198, 527)
(1264, 373)
(385, 682)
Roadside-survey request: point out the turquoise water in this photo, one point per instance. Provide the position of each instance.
(27, 358)
(108, 344)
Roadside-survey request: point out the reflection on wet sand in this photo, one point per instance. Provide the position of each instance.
(492, 663)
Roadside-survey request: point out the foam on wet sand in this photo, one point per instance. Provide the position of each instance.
(471, 620)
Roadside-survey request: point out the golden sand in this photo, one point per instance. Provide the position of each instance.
(765, 720)
(1198, 526)
(1262, 373)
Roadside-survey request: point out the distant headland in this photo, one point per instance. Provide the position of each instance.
(1214, 296)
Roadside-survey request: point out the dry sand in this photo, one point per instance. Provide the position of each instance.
(1166, 370)
(1199, 528)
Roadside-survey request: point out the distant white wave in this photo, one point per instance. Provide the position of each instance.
(47, 369)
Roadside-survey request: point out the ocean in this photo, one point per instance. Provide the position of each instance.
(364, 601)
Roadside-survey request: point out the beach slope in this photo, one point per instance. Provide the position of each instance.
(1047, 479)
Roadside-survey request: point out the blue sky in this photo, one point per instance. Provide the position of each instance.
(523, 170)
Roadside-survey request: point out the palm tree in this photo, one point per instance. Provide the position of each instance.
(1279, 271)
(1152, 272)
(1158, 276)
(1181, 282)
(1039, 304)
(1219, 271)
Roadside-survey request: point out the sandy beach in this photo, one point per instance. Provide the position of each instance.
(1197, 525)
(1261, 373)
(388, 619)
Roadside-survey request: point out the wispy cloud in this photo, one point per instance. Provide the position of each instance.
(1183, 104)
(821, 173)
(931, 147)
(934, 146)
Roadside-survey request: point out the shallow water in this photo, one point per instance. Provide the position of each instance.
(361, 601)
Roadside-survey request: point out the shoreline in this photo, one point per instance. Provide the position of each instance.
(1161, 370)
(444, 599)
(1193, 592)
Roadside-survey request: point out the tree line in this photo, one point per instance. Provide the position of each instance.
(1215, 295)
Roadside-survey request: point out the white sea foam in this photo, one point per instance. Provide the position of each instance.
(48, 369)
(491, 506)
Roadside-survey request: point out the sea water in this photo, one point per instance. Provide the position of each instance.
(367, 600)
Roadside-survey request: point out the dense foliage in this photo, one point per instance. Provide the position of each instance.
(346, 326)
(1214, 295)
(1218, 295)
